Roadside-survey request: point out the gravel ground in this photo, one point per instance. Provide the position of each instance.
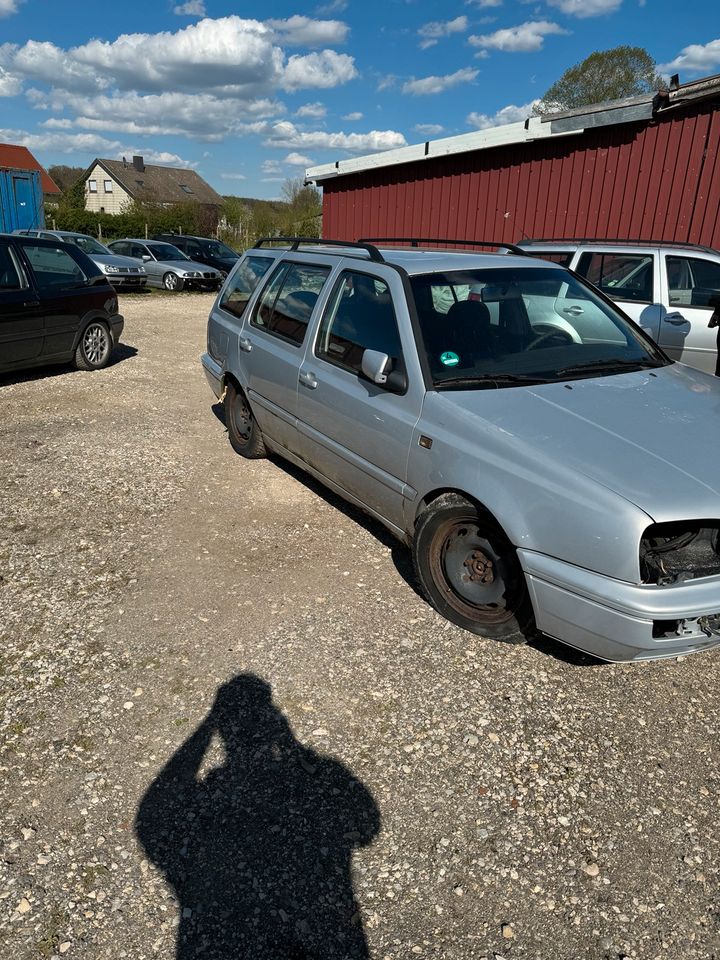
(230, 727)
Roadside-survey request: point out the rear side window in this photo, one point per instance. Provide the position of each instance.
(12, 275)
(359, 316)
(53, 267)
(693, 282)
(286, 304)
(240, 287)
(622, 276)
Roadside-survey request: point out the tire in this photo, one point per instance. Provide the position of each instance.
(243, 431)
(95, 346)
(171, 281)
(470, 572)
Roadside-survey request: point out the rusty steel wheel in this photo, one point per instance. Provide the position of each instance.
(243, 431)
(470, 572)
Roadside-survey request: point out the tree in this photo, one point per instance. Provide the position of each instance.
(65, 177)
(604, 75)
(304, 208)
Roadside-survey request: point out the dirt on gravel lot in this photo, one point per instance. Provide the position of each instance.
(231, 728)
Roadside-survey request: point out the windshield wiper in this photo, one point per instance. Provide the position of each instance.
(607, 365)
(490, 380)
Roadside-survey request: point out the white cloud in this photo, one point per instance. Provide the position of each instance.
(355, 115)
(316, 110)
(483, 3)
(271, 166)
(233, 176)
(509, 114)
(320, 70)
(335, 6)
(432, 32)
(8, 7)
(89, 143)
(300, 31)
(285, 134)
(431, 129)
(428, 85)
(697, 58)
(298, 160)
(586, 8)
(387, 82)
(526, 37)
(10, 86)
(193, 8)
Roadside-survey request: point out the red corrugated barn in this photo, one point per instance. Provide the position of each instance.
(644, 168)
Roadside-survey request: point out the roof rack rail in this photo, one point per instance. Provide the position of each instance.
(295, 242)
(416, 241)
(618, 242)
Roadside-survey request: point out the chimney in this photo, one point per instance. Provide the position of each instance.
(138, 164)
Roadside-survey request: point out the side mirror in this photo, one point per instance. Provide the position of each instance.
(374, 366)
(146, 257)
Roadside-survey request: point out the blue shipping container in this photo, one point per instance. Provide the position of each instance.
(21, 200)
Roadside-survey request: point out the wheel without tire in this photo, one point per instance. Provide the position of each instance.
(171, 281)
(470, 572)
(95, 346)
(243, 431)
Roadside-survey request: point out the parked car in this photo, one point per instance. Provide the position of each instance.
(123, 273)
(55, 306)
(213, 253)
(546, 481)
(670, 289)
(168, 267)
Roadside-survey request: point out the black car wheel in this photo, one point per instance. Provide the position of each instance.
(95, 346)
(243, 431)
(470, 572)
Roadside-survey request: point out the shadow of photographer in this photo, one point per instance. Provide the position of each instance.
(259, 848)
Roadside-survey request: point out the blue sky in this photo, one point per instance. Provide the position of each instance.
(252, 94)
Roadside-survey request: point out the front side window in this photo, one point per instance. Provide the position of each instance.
(359, 316)
(693, 282)
(12, 276)
(513, 326)
(167, 251)
(286, 304)
(53, 267)
(622, 276)
(240, 287)
(88, 245)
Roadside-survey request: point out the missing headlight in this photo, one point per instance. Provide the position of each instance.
(684, 550)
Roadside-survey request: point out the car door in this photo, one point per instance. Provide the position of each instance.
(22, 327)
(692, 293)
(271, 345)
(153, 269)
(357, 433)
(193, 250)
(58, 280)
(629, 277)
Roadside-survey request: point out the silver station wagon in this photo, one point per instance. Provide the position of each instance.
(550, 467)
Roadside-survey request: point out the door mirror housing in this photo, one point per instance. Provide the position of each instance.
(146, 257)
(376, 366)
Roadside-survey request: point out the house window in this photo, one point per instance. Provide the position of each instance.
(108, 184)
(140, 183)
(92, 186)
(186, 188)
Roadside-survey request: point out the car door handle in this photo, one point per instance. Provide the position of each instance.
(308, 379)
(245, 344)
(574, 311)
(676, 319)
(31, 303)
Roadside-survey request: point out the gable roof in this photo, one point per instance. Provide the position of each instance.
(161, 184)
(20, 158)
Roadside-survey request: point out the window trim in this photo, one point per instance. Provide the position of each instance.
(286, 263)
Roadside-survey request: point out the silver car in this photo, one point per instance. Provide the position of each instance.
(550, 468)
(123, 273)
(167, 266)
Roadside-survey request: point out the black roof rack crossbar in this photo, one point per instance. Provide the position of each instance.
(620, 242)
(416, 241)
(296, 242)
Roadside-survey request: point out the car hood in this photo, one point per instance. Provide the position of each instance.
(185, 265)
(650, 438)
(115, 260)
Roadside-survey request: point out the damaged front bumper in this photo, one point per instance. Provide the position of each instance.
(615, 620)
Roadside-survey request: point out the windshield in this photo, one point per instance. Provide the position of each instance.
(166, 251)
(88, 245)
(512, 326)
(214, 248)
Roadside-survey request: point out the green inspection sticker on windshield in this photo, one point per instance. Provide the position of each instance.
(449, 359)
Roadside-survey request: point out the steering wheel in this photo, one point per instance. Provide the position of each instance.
(563, 334)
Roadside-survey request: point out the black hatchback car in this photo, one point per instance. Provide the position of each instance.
(56, 306)
(213, 253)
